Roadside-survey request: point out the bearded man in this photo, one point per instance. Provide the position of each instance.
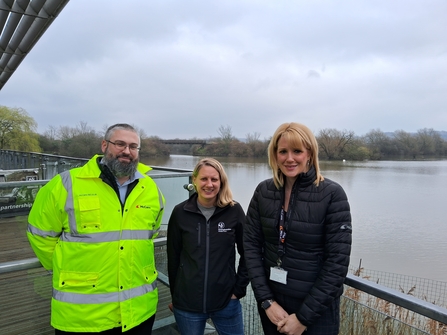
(93, 228)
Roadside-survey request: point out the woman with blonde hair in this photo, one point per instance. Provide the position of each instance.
(202, 234)
(297, 239)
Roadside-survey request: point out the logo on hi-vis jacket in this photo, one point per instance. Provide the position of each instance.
(142, 206)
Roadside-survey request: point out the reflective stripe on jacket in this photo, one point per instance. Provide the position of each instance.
(101, 253)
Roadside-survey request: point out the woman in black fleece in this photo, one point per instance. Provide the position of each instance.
(204, 233)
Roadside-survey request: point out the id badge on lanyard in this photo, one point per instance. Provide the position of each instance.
(277, 273)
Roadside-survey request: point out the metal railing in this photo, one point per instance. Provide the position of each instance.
(406, 301)
(421, 307)
(16, 197)
(44, 166)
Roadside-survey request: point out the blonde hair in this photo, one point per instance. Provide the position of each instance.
(224, 197)
(298, 136)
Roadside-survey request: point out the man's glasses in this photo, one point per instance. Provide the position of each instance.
(123, 145)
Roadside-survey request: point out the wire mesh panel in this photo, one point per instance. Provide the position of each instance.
(425, 289)
(359, 319)
(25, 303)
(252, 322)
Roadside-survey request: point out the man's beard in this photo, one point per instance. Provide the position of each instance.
(118, 168)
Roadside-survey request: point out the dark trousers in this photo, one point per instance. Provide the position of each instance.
(327, 324)
(144, 328)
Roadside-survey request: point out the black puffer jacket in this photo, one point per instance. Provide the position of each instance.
(202, 257)
(317, 246)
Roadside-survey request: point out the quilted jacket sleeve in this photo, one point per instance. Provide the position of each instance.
(254, 245)
(337, 249)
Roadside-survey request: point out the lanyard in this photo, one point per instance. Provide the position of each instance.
(283, 228)
(282, 236)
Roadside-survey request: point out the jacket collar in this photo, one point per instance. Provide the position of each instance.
(191, 205)
(305, 179)
(92, 168)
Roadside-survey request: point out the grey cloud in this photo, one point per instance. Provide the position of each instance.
(181, 69)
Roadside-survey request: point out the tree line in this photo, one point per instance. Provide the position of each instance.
(18, 132)
(340, 144)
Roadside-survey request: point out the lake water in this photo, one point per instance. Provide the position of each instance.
(398, 208)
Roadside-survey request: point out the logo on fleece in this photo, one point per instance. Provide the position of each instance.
(221, 227)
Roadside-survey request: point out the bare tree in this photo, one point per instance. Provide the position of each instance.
(66, 132)
(334, 142)
(226, 134)
(83, 128)
(406, 143)
(379, 144)
(258, 148)
(253, 137)
(430, 142)
(51, 133)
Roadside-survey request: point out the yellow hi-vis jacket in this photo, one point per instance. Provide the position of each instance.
(101, 253)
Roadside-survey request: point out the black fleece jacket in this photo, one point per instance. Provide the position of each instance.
(317, 244)
(202, 257)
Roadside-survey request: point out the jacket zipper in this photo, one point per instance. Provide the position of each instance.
(207, 248)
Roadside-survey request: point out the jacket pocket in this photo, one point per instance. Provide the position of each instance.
(149, 273)
(89, 209)
(71, 279)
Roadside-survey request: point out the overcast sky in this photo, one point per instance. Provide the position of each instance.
(181, 69)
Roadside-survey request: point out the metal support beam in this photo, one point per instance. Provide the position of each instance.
(22, 24)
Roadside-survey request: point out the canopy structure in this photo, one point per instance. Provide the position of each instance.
(22, 23)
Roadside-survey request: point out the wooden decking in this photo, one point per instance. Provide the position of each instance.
(14, 244)
(25, 295)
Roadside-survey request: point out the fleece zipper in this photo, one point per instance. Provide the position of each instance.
(207, 260)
